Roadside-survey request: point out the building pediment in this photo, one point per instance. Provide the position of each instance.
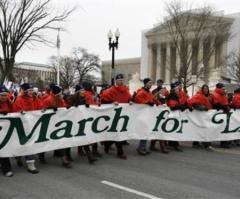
(187, 18)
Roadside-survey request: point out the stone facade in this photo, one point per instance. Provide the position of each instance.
(127, 67)
(160, 58)
(33, 73)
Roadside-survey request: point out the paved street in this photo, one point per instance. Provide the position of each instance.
(194, 173)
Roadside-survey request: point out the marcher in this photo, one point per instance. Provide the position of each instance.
(24, 102)
(201, 101)
(173, 102)
(76, 100)
(55, 101)
(116, 94)
(92, 98)
(145, 96)
(235, 104)
(220, 102)
(5, 108)
(160, 93)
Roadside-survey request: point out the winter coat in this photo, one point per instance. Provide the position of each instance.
(89, 97)
(118, 94)
(219, 99)
(200, 101)
(236, 101)
(144, 96)
(24, 103)
(52, 102)
(5, 107)
(173, 101)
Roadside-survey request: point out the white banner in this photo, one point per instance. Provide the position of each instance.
(35, 132)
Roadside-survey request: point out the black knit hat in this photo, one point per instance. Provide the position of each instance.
(220, 85)
(78, 87)
(160, 81)
(146, 80)
(3, 89)
(87, 85)
(26, 86)
(56, 89)
(119, 76)
(174, 84)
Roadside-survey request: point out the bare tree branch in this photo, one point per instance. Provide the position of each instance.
(21, 24)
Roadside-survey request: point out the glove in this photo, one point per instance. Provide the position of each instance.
(4, 113)
(130, 103)
(22, 113)
(43, 110)
(68, 107)
(182, 107)
(175, 108)
(190, 109)
(87, 105)
(150, 103)
(115, 103)
(55, 109)
(226, 109)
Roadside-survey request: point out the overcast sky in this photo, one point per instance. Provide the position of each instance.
(88, 26)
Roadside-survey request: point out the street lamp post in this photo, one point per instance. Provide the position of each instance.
(112, 45)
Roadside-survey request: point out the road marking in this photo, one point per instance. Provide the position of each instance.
(130, 190)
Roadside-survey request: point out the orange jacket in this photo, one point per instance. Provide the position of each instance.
(182, 97)
(143, 96)
(6, 107)
(219, 97)
(51, 102)
(23, 103)
(38, 103)
(118, 94)
(89, 97)
(236, 100)
(200, 99)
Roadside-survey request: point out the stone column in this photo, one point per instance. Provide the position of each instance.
(159, 61)
(150, 61)
(178, 64)
(167, 64)
(154, 64)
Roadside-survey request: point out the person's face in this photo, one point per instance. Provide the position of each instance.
(205, 90)
(3, 97)
(149, 84)
(29, 92)
(159, 84)
(81, 92)
(176, 89)
(119, 82)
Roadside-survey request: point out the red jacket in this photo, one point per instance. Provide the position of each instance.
(182, 97)
(200, 99)
(38, 103)
(236, 100)
(6, 107)
(89, 97)
(118, 94)
(51, 102)
(172, 103)
(219, 97)
(144, 96)
(23, 103)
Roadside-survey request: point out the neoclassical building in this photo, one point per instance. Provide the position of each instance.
(33, 73)
(160, 58)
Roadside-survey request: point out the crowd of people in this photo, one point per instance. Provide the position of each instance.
(29, 99)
